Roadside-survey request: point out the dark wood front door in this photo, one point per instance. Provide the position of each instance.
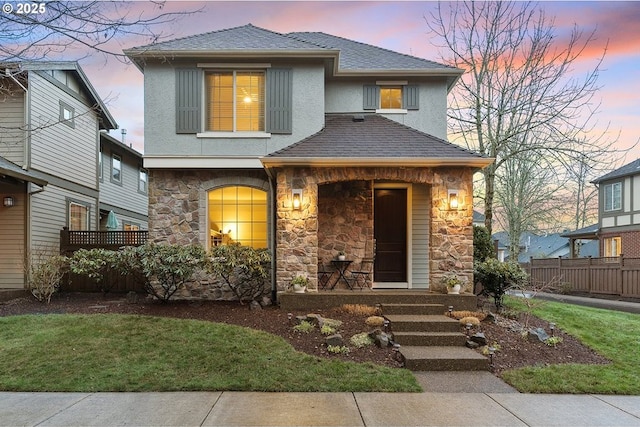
(390, 232)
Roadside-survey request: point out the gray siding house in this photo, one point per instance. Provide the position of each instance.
(50, 123)
(308, 144)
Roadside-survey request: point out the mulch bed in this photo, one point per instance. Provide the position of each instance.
(515, 351)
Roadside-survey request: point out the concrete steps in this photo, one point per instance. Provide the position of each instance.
(431, 341)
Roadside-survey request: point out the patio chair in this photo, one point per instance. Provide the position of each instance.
(324, 276)
(363, 273)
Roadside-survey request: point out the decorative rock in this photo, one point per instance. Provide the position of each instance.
(266, 301)
(537, 334)
(479, 338)
(301, 318)
(315, 318)
(334, 340)
(472, 344)
(255, 305)
(490, 318)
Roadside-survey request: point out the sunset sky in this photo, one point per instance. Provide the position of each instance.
(399, 26)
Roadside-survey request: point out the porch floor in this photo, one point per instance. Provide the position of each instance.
(329, 299)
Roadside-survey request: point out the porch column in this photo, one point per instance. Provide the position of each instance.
(296, 229)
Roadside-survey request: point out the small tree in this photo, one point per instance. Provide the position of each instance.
(163, 268)
(95, 264)
(498, 277)
(44, 273)
(483, 247)
(245, 270)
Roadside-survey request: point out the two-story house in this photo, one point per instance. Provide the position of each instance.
(124, 185)
(619, 211)
(308, 144)
(50, 163)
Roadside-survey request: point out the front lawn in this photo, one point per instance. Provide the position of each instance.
(615, 335)
(89, 353)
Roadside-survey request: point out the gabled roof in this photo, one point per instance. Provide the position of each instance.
(8, 168)
(351, 57)
(373, 140)
(632, 168)
(105, 137)
(108, 122)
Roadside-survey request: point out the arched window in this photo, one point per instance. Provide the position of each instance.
(238, 214)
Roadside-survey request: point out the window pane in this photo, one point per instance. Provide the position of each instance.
(78, 217)
(247, 89)
(238, 214)
(116, 168)
(390, 97)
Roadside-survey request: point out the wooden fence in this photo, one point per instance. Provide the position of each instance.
(71, 241)
(612, 276)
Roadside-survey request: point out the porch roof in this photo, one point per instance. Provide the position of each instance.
(372, 140)
(8, 168)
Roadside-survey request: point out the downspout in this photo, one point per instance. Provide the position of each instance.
(272, 242)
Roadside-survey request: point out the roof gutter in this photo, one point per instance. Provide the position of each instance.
(480, 162)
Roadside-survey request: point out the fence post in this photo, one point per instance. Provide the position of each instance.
(589, 273)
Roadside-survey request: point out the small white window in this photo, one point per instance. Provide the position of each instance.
(142, 181)
(67, 114)
(116, 169)
(613, 197)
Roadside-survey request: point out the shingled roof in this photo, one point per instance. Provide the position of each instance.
(632, 168)
(350, 56)
(373, 140)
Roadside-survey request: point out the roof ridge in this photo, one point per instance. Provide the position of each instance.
(364, 44)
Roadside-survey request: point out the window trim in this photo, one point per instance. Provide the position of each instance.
(113, 156)
(604, 195)
(71, 121)
(100, 164)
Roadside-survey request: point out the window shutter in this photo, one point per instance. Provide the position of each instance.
(410, 97)
(279, 100)
(188, 100)
(371, 97)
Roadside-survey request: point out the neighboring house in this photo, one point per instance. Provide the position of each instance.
(549, 245)
(50, 118)
(619, 211)
(307, 144)
(124, 185)
(478, 218)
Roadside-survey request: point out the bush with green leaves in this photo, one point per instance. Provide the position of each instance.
(95, 264)
(245, 270)
(483, 247)
(498, 277)
(44, 274)
(163, 268)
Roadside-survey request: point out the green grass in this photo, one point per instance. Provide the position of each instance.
(614, 335)
(142, 353)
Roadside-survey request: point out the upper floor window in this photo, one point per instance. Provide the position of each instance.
(78, 216)
(238, 214)
(613, 197)
(235, 101)
(143, 178)
(67, 114)
(116, 169)
(391, 96)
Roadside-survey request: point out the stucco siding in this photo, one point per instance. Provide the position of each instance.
(12, 237)
(12, 122)
(49, 212)
(160, 121)
(420, 243)
(347, 97)
(69, 152)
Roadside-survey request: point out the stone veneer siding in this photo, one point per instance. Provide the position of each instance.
(298, 231)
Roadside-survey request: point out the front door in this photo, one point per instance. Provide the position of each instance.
(390, 233)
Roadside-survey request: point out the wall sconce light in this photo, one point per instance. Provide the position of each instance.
(452, 200)
(8, 201)
(296, 198)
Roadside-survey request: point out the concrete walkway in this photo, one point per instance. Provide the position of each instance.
(316, 409)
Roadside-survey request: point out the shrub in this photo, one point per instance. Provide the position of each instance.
(360, 309)
(95, 264)
(338, 349)
(483, 247)
(44, 274)
(332, 323)
(327, 330)
(163, 268)
(374, 321)
(473, 321)
(465, 313)
(361, 340)
(243, 269)
(304, 327)
(498, 277)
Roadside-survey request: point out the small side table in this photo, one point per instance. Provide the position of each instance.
(341, 267)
